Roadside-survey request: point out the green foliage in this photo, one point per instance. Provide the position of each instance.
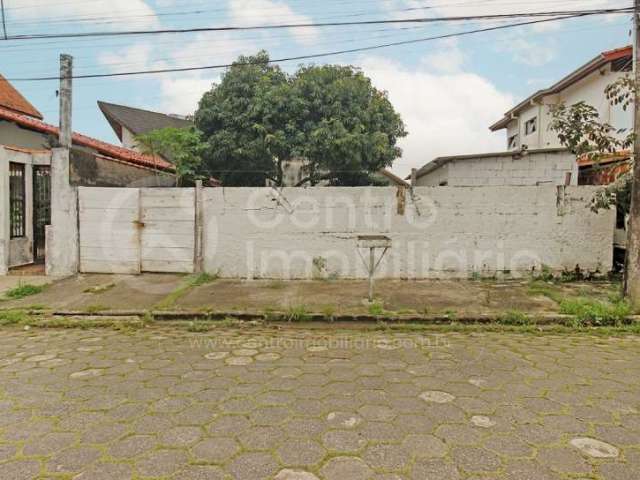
(95, 308)
(259, 117)
(203, 279)
(581, 130)
(24, 290)
(297, 313)
(376, 308)
(12, 317)
(589, 311)
(181, 146)
(198, 326)
(514, 317)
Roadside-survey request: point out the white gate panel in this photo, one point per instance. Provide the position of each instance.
(109, 231)
(168, 229)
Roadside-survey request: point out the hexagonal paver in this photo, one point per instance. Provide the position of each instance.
(288, 474)
(386, 457)
(595, 448)
(434, 469)
(73, 460)
(424, 446)
(342, 468)
(301, 452)
(161, 463)
(437, 396)
(20, 469)
(378, 413)
(180, 436)
(215, 450)
(253, 466)
(344, 441)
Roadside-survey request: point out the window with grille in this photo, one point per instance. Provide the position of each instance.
(17, 200)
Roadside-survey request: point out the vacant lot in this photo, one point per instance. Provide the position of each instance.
(305, 404)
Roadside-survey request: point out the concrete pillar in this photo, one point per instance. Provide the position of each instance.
(62, 243)
(4, 212)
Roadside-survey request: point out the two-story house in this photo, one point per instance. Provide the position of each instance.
(533, 154)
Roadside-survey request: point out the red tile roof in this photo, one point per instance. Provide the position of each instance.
(104, 148)
(618, 53)
(13, 100)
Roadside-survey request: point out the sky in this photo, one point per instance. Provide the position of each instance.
(448, 91)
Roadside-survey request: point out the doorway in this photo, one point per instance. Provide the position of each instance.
(41, 209)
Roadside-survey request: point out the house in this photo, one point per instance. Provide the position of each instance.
(25, 158)
(129, 122)
(533, 153)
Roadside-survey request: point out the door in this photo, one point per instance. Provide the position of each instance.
(41, 209)
(167, 229)
(109, 230)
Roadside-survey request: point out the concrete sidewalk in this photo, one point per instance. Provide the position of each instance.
(189, 293)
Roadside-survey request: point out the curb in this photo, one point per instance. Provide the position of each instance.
(540, 319)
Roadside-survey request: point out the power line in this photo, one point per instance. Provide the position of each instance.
(321, 24)
(309, 56)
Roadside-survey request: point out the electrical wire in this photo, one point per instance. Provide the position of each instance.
(320, 24)
(308, 56)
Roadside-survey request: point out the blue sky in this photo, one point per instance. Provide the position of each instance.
(447, 91)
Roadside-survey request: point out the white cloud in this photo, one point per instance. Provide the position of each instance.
(449, 58)
(527, 52)
(255, 13)
(445, 114)
(526, 44)
(130, 13)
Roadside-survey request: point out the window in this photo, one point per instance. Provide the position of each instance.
(512, 142)
(531, 126)
(16, 200)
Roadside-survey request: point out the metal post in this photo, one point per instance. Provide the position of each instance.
(372, 266)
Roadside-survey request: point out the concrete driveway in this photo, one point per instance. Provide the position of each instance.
(301, 404)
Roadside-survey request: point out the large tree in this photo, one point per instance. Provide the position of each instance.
(330, 117)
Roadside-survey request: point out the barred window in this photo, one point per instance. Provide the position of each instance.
(17, 199)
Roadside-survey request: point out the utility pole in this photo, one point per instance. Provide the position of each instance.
(632, 270)
(66, 85)
(62, 251)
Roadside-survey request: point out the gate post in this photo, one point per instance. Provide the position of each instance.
(198, 253)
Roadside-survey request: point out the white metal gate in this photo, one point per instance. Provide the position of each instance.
(131, 230)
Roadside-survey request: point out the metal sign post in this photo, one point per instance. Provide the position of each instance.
(372, 242)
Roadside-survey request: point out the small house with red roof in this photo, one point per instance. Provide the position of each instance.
(26, 141)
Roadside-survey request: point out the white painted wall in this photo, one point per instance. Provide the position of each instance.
(534, 168)
(258, 233)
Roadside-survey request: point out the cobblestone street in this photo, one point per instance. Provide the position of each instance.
(306, 404)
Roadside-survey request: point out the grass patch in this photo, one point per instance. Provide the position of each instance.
(190, 282)
(544, 289)
(95, 308)
(99, 288)
(588, 311)
(13, 317)
(297, 313)
(24, 290)
(514, 317)
(376, 308)
(198, 326)
(203, 278)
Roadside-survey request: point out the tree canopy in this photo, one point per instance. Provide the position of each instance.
(331, 117)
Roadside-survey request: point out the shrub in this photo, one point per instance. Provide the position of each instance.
(589, 311)
(514, 317)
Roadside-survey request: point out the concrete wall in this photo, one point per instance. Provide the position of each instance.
(443, 232)
(535, 168)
